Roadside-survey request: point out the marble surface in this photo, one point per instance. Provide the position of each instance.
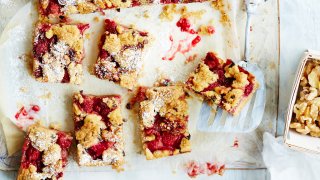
(264, 48)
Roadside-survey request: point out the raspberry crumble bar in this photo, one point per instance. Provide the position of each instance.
(44, 153)
(55, 8)
(222, 83)
(120, 57)
(98, 130)
(163, 115)
(58, 52)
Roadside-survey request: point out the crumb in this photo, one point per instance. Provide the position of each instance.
(46, 96)
(146, 14)
(220, 6)
(168, 12)
(206, 30)
(87, 36)
(196, 14)
(191, 58)
(24, 89)
(96, 19)
(55, 125)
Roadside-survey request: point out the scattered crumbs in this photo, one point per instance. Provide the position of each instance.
(25, 57)
(96, 19)
(191, 58)
(46, 96)
(87, 36)
(235, 143)
(194, 169)
(251, 29)
(168, 12)
(196, 14)
(206, 30)
(24, 89)
(55, 125)
(220, 6)
(146, 14)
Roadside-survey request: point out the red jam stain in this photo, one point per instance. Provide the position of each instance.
(211, 30)
(194, 169)
(213, 168)
(236, 143)
(195, 41)
(83, 27)
(25, 113)
(111, 26)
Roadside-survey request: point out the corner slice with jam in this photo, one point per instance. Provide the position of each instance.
(163, 113)
(98, 130)
(58, 52)
(222, 83)
(121, 54)
(44, 153)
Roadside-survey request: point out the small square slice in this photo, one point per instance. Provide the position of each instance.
(222, 83)
(98, 130)
(44, 153)
(121, 54)
(163, 115)
(58, 52)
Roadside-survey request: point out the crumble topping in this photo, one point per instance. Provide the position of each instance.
(185, 145)
(203, 77)
(51, 155)
(42, 138)
(89, 133)
(115, 117)
(121, 54)
(241, 79)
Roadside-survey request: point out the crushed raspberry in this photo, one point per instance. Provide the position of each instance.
(64, 157)
(248, 89)
(53, 8)
(30, 156)
(169, 1)
(97, 150)
(236, 143)
(44, 27)
(155, 144)
(63, 140)
(111, 26)
(185, 25)
(66, 77)
(194, 169)
(196, 40)
(103, 54)
(212, 168)
(139, 97)
(83, 27)
(211, 30)
(35, 108)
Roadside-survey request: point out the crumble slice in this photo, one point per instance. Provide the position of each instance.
(98, 130)
(44, 153)
(121, 54)
(56, 8)
(58, 52)
(222, 83)
(163, 113)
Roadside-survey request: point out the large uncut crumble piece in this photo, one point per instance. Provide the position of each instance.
(222, 83)
(56, 8)
(98, 130)
(44, 153)
(58, 52)
(163, 121)
(121, 54)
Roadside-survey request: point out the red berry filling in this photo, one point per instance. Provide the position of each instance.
(52, 8)
(97, 150)
(111, 26)
(164, 139)
(95, 105)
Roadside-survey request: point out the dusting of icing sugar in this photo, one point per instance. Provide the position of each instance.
(130, 59)
(110, 156)
(85, 158)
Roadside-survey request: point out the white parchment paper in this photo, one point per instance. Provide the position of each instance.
(214, 147)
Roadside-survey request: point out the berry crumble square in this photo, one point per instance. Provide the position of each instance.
(44, 153)
(222, 83)
(98, 130)
(163, 115)
(58, 52)
(121, 54)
